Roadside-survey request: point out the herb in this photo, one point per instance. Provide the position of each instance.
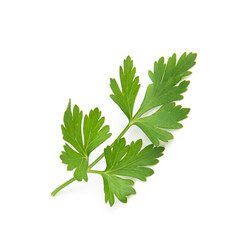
(92, 134)
(126, 162)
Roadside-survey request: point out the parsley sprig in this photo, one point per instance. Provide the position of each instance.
(127, 162)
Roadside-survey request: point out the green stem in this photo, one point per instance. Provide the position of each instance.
(95, 171)
(62, 186)
(102, 155)
(96, 161)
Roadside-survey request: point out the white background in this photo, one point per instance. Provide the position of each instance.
(51, 51)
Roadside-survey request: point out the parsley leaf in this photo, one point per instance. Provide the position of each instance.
(124, 163)
(71, 129)
(117, 186)
(93, 135)
(167, 81)
(167, 117)
(127, 161)
(125, 97)
(75, 160)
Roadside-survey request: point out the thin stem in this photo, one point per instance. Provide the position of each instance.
(94, 171)
(119, 137)
(96, 161)
(62, 186)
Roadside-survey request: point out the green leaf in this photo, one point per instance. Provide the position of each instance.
(127, 161)
(167, 117)
(125, 97)
(167, 81)
(94, 134)
(83, 144)
(75, 160)
(71, 129)
(117, 186)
